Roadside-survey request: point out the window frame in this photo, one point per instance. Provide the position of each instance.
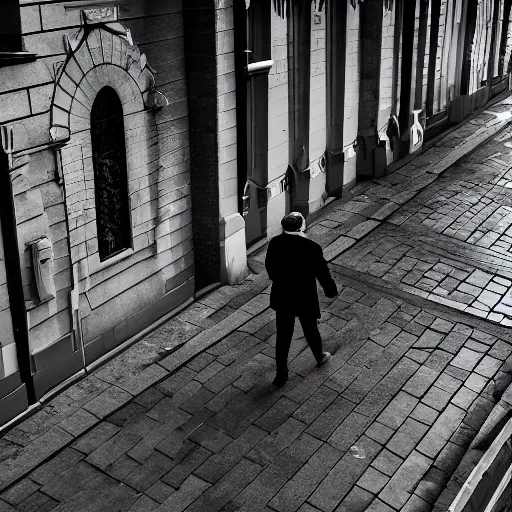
(115, 115)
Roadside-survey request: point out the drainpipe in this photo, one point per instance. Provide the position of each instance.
(74, 294)
(13, 266)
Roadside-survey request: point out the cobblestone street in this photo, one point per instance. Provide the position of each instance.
(186, 419)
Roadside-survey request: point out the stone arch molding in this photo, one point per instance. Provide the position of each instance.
(99, 56)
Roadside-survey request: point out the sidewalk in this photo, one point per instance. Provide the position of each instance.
(186, 418)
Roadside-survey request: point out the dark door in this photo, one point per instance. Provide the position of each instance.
(405, 114)
(256, 175)
(468, 46)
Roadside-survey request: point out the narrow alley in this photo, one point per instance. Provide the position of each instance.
(186, 419)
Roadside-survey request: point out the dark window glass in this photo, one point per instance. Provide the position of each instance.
(110, 176)
(10, 26)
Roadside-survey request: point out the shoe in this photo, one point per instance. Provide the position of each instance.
(281, 378)
(325, 357)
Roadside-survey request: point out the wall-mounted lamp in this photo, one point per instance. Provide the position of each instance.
(259, 68)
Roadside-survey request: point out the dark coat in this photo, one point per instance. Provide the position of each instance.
(294, 263)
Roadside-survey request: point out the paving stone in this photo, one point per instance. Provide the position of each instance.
(20, 491)
(379, 506)
(37, 502)
(343, 476)
(108, 401)
(143, 504)
(407, 437)
(443, 326)
(373, 480)
(488, 366)
(464, 298)
(210, 438)
(80, 477)
(421, 381)
(448, 383)
(398, 410)
(424, 414)
(357, 500)
(475, 291)
(441, 431)
(112, 449)
(436, 398)
(402, 484)
(159, 491)
(416, 504)
(418, 355)
(500, 350)
(277, 414)
(330, 419)
(78, 422)
(349, 431)
(479, 278)
(453, 342)
(32, 455)
(379, 432)
(122, 467)
(415, 328)
(186, 461)
(476, 346)
(450, 457)
(466, 359)
(315, 405)
(340, 380)
(58, 465)
(219, 464)
(266, 484)
(490, 299)
(304, 482)
(197, 400)
(464, 435)
(191, 489)
(502, 281)
(458, 373)
(387, 462)
(429, 339)
(4, 507)
(95, 437)
(424, 318)
(385, 334)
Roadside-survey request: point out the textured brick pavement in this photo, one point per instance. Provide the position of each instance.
(186, 419)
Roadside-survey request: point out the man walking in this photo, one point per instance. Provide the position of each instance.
(294, 263)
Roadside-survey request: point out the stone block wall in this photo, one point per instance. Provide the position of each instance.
(226, 109)
(47, 103)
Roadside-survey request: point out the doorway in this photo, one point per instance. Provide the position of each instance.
(254, 39)
(405, 114)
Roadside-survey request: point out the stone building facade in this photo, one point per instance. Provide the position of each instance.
(104, 121)
(147, 143)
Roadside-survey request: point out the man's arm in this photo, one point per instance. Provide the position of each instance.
(324, 276)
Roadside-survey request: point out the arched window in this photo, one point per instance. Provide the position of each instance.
(110, 176)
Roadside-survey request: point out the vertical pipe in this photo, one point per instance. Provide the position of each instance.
(14, 279)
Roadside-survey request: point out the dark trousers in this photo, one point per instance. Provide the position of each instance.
(285, 325)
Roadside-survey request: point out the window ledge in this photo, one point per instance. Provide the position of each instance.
(101, 265)
(12, 58)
